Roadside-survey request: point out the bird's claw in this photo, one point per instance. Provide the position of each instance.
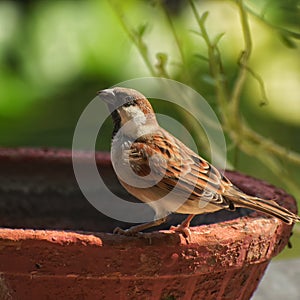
(184, 230)
(126, 232)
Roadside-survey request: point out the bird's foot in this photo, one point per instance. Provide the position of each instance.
(185, 230)
(136, 230)
(126, 232)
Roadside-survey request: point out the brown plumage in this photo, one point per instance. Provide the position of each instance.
(168, 165)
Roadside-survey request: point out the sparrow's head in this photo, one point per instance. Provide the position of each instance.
(128, 105)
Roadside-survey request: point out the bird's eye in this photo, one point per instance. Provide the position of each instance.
(126, 104)
(129, 101)
(129, 98)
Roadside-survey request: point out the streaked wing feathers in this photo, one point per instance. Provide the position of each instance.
(162, 156)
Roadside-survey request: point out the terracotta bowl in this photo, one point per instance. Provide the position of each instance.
(55, 245)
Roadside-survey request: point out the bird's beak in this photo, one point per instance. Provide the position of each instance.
(107, 95)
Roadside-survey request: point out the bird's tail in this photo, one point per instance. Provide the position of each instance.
(270, 207)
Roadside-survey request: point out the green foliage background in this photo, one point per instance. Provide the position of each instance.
(242, 56)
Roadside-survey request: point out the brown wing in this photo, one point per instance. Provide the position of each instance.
(169, 163)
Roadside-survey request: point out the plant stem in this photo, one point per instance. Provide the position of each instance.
(270, 147)
(214, 63)
(241, 78)
(241, 134)
(176, 37)
(137, 40)
(282, 30)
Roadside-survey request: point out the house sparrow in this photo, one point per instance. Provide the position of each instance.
(157, 164)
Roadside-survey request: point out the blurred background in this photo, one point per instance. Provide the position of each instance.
(55, 55)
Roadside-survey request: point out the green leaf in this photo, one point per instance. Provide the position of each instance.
(262, 103)
(294, 35)
(142, 29)
(288, 41)
(196, 32)
(202, 57)
(209, 79)
(204, 16)
(218, 38)
(162, 59)
(154, 3)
